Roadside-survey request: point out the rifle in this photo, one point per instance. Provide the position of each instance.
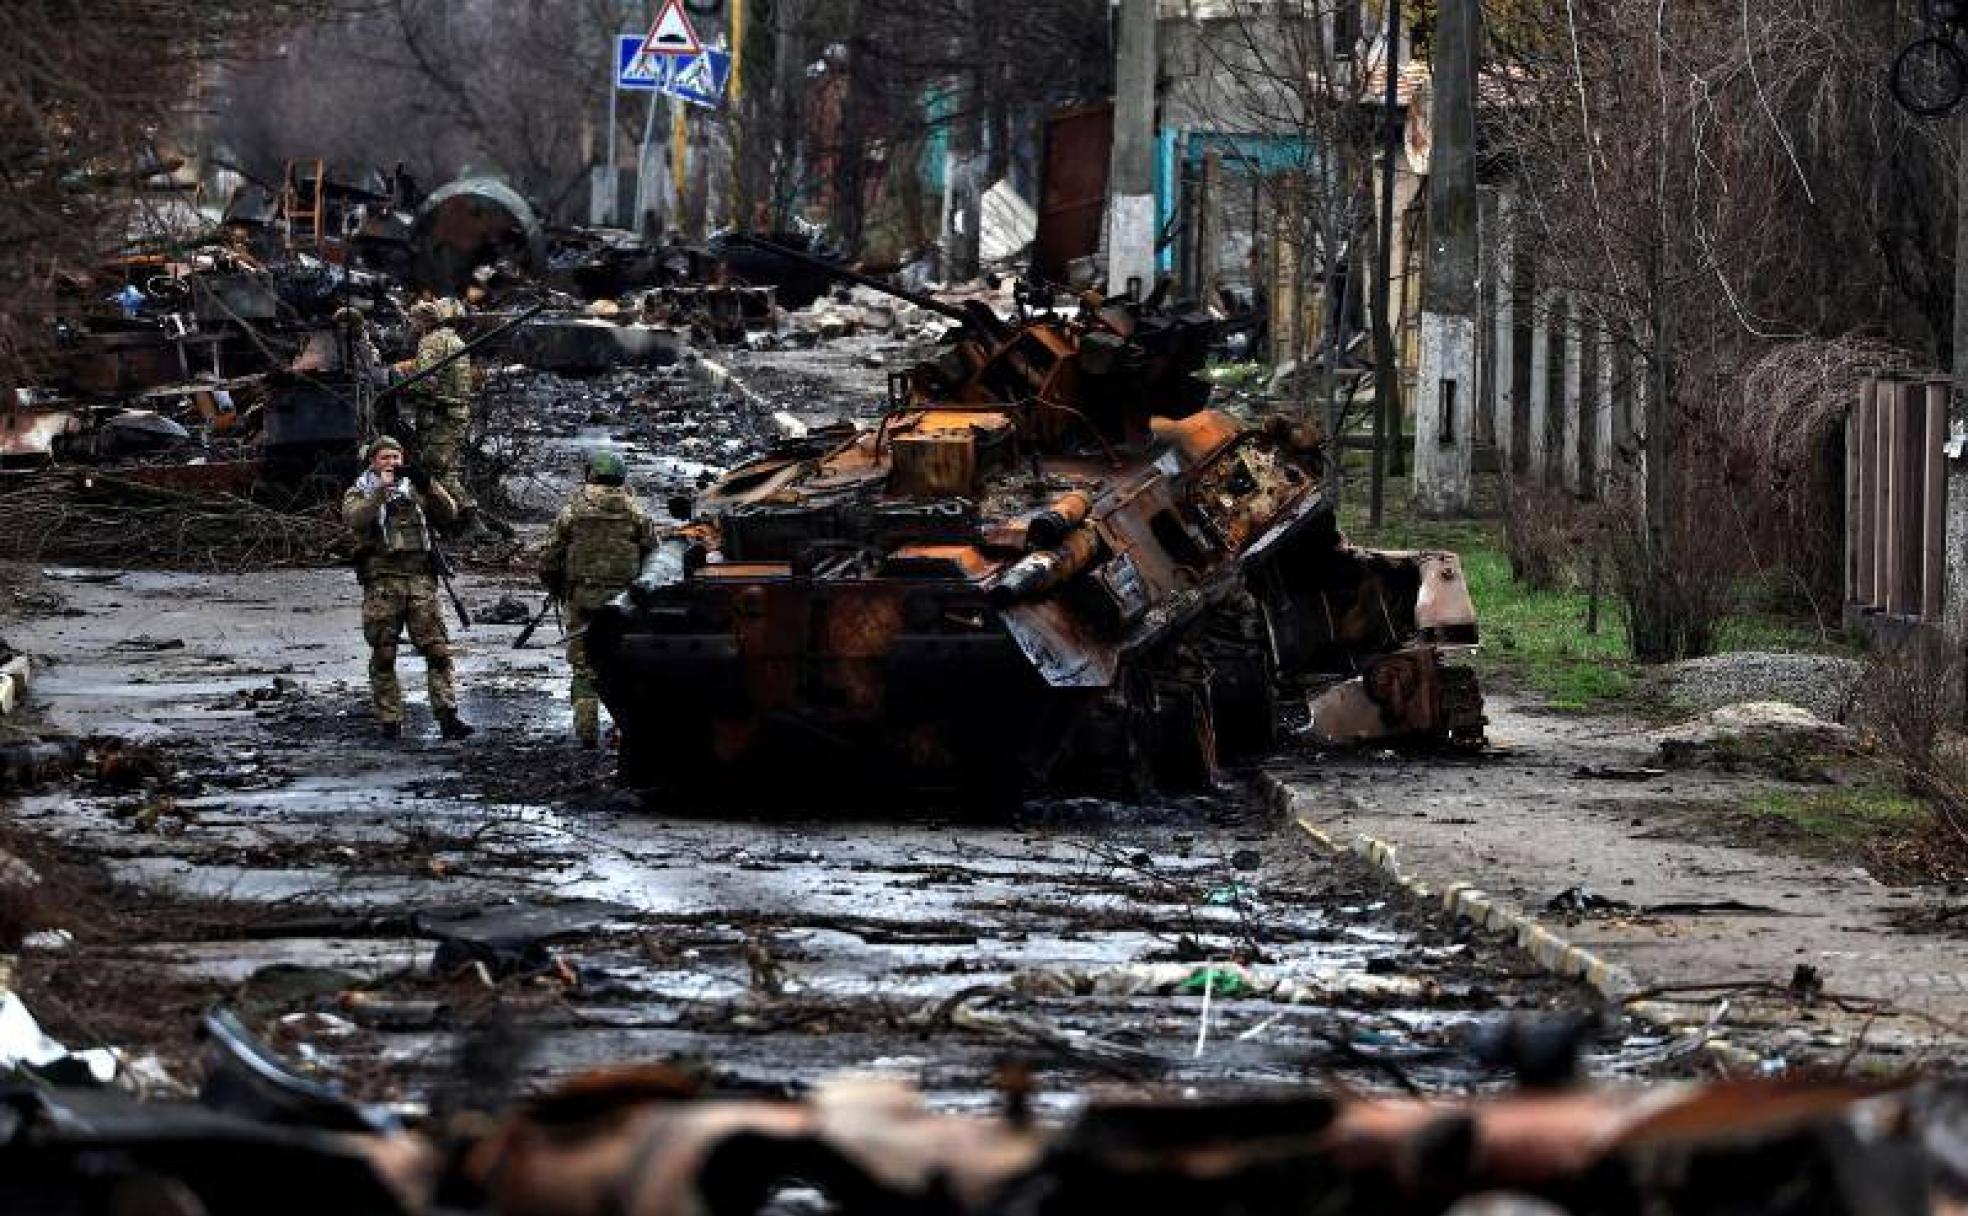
(440, 564)
(483, 339)
(526, 634)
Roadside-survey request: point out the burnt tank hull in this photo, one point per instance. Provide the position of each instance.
(1050, 566)
(782, 681)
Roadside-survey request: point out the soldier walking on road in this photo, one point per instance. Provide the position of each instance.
(593, 552)
(391, 508)
(442, 403)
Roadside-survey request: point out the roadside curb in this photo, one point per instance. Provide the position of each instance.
(13, 684)
(783, 423)
(1466, 900)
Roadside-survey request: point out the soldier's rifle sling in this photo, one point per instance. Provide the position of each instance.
(461, 352)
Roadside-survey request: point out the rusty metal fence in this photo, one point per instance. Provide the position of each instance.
(1896, 498)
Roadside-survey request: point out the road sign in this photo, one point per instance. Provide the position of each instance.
(671, 34)
(635, 70)
(698, 79)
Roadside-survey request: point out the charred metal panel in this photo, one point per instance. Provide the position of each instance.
(1072, 189)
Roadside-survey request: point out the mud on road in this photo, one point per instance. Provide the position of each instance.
(366, 902)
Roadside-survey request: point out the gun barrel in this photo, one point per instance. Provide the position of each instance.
(461, 352)
(852, 276)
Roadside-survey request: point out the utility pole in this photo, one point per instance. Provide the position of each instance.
(789, 90)
(1445, 396)
(1387, 374)
(1954, 598)
(606, 208)
(1131, 179)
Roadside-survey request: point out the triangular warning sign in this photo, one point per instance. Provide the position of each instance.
(671, 35)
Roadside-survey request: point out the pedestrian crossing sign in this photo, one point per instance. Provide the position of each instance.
(698, 79)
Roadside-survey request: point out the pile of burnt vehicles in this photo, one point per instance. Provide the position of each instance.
(235, 354)
(1051, 566)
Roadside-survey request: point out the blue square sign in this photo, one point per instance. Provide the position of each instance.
(698, 79)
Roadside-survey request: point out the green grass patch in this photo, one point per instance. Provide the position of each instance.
(1536, 641)
(1840, 815)
(1532, 640)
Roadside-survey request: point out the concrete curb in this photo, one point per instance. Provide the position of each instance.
(13, 684)
(1550, 950)
(787, 426)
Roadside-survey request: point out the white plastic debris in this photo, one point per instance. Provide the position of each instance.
(22, 1044)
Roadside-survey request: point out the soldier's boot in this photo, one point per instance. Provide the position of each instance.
(451, 726)
(587, 721)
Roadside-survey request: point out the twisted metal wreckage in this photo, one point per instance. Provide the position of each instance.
(239, 357)
(643, 1141)
(1051, 564)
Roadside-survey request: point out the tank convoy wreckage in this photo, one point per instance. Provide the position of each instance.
(1050, 565)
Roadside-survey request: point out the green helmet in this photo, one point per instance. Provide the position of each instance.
(607, 468)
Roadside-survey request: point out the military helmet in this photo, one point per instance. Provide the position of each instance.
(382, 443)
(606, 467)
(430, 312)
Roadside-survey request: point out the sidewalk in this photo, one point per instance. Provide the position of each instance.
(1505, 834)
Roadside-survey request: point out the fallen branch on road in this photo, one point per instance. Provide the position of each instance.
(108, 521)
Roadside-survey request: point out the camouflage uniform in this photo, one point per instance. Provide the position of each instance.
(443, 412)
(398, 588)
(593, 552)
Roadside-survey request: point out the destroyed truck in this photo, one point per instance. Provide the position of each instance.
(1051, 565)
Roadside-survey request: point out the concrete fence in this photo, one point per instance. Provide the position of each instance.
(1561, 402)
(1896, 499)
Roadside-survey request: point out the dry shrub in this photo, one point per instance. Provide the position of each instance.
(1781, 428)
(1678, 589)
(1910, 701)
(1909, 712)
(1544, 532)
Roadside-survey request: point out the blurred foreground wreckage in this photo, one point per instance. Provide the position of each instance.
(1051, 565)
(643, 1142)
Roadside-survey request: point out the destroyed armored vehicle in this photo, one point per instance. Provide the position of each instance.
(1051, 565)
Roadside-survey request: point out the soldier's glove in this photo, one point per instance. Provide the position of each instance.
(417, 476)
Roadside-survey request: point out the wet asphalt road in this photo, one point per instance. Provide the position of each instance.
(305, 871)
(1099, 943)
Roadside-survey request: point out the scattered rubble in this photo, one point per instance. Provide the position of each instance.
(1753, 734)
(1824, 684)
(651, 1141)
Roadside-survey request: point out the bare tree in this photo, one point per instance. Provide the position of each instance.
(1298, 84)
(91, 95)
(1706, 179)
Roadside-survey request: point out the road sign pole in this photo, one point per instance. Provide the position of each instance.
(612, 192)
(642, 166)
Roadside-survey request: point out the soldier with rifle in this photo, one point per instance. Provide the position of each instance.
(592, 553)
(441, 402)
(391, 509)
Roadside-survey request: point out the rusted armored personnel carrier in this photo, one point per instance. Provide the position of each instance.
(1050, 565)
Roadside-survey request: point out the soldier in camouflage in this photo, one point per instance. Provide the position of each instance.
(441, 404)
(391, 508)
(593, 552)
